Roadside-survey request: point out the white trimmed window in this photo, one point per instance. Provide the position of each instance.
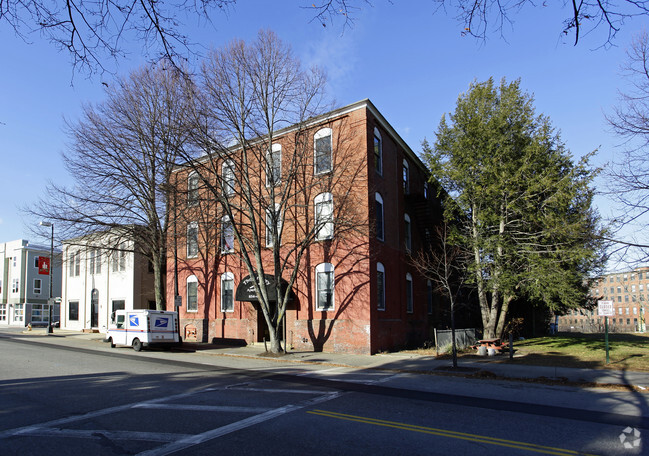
(229, 178)
(380, 286)
(409, 295)
(119, 258)
(36, 262)
(273, 219)
(192, 294)
(192, 240)
(324, 216)
(227, 292)
(322, 151)
(274, 165)
(37, 286)
(95, 261)
(379, 217)
(408, 232)
(192, 189)
(378, 151)
(227, 235)
(15, 285)
(324, 282)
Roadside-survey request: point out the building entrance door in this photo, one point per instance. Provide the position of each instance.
(94, 308)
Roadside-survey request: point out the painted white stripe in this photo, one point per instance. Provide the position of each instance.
(111, 435)
(204, 408)
(237, 426)
(86, 416)
(273, 390)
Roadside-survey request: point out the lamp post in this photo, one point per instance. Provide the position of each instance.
(50, 330)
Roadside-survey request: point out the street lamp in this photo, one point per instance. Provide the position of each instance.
(50, 330)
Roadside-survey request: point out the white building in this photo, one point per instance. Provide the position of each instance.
(103, 274)
(25, 283)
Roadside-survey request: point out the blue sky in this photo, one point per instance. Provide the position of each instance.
(410, 63)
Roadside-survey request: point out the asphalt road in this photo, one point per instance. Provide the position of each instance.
(60, 396)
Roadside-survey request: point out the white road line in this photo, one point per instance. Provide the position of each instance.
(86, 416)
(274, 390)
(204, 408)
(233, 427)
(111, 435)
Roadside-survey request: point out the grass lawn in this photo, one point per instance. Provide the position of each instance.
(627, 351)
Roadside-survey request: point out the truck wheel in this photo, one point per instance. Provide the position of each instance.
(137, 345)
(112, 344)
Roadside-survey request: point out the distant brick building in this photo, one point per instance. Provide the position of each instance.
(629, 292)
(359, 293)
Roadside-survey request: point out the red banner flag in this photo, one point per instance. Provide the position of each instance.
(44, 265)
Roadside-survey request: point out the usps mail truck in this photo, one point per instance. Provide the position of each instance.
(143, 328)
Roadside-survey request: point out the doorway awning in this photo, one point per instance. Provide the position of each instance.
(246, 289)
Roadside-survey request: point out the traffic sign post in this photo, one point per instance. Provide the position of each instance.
(605, 309)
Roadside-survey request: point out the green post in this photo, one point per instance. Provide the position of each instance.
(606, 336)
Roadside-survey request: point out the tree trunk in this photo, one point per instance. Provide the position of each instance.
(503, 316)
(159, 283)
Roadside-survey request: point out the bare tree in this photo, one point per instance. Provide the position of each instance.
(95, 32)
(121, 155)
(480, 18)
(446, 264)
(629, 175)
(256, 126)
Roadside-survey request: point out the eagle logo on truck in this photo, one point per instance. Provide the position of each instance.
(134, 320)
(161, 322)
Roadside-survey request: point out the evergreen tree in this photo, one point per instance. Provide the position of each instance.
(520, 204)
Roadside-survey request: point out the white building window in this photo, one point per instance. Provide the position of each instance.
(379, 217)
(380, 286)
(273, 221)
(408, 232)
(227, 235)
(74, 264)
(119, 258)
(192, 189)
(378, 151)
(192, 240)
(324, 216)
(37, 286)
(229, 178)
(274, 165)
(95, 261)
(15, 285)
(322, 151)
(324, 286)
(409, 296)
(36, 262)
(227, 292)
(19, 312)
(192, 294)
(3, 312)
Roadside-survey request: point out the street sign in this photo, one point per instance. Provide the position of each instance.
(178, 301)
(605, 309)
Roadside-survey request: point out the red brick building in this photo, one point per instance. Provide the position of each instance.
(357, 289)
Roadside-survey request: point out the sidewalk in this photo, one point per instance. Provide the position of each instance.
(491, 367)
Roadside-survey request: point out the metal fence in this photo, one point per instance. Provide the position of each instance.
(463, 339)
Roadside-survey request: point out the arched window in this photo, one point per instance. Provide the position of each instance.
(192, 240)
(192, 189)
(380, 286)
(379, 217)
(227, 292)
(228, 176)
(273, 219)
(324, 216)
(227, 235)
(378, 151)
(192, 294)
(408, 232)
(406, 177)
(322, 151)
(324, 282)
(274, 165)
(409, 296)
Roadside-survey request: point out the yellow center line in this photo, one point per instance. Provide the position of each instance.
(451, 434)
